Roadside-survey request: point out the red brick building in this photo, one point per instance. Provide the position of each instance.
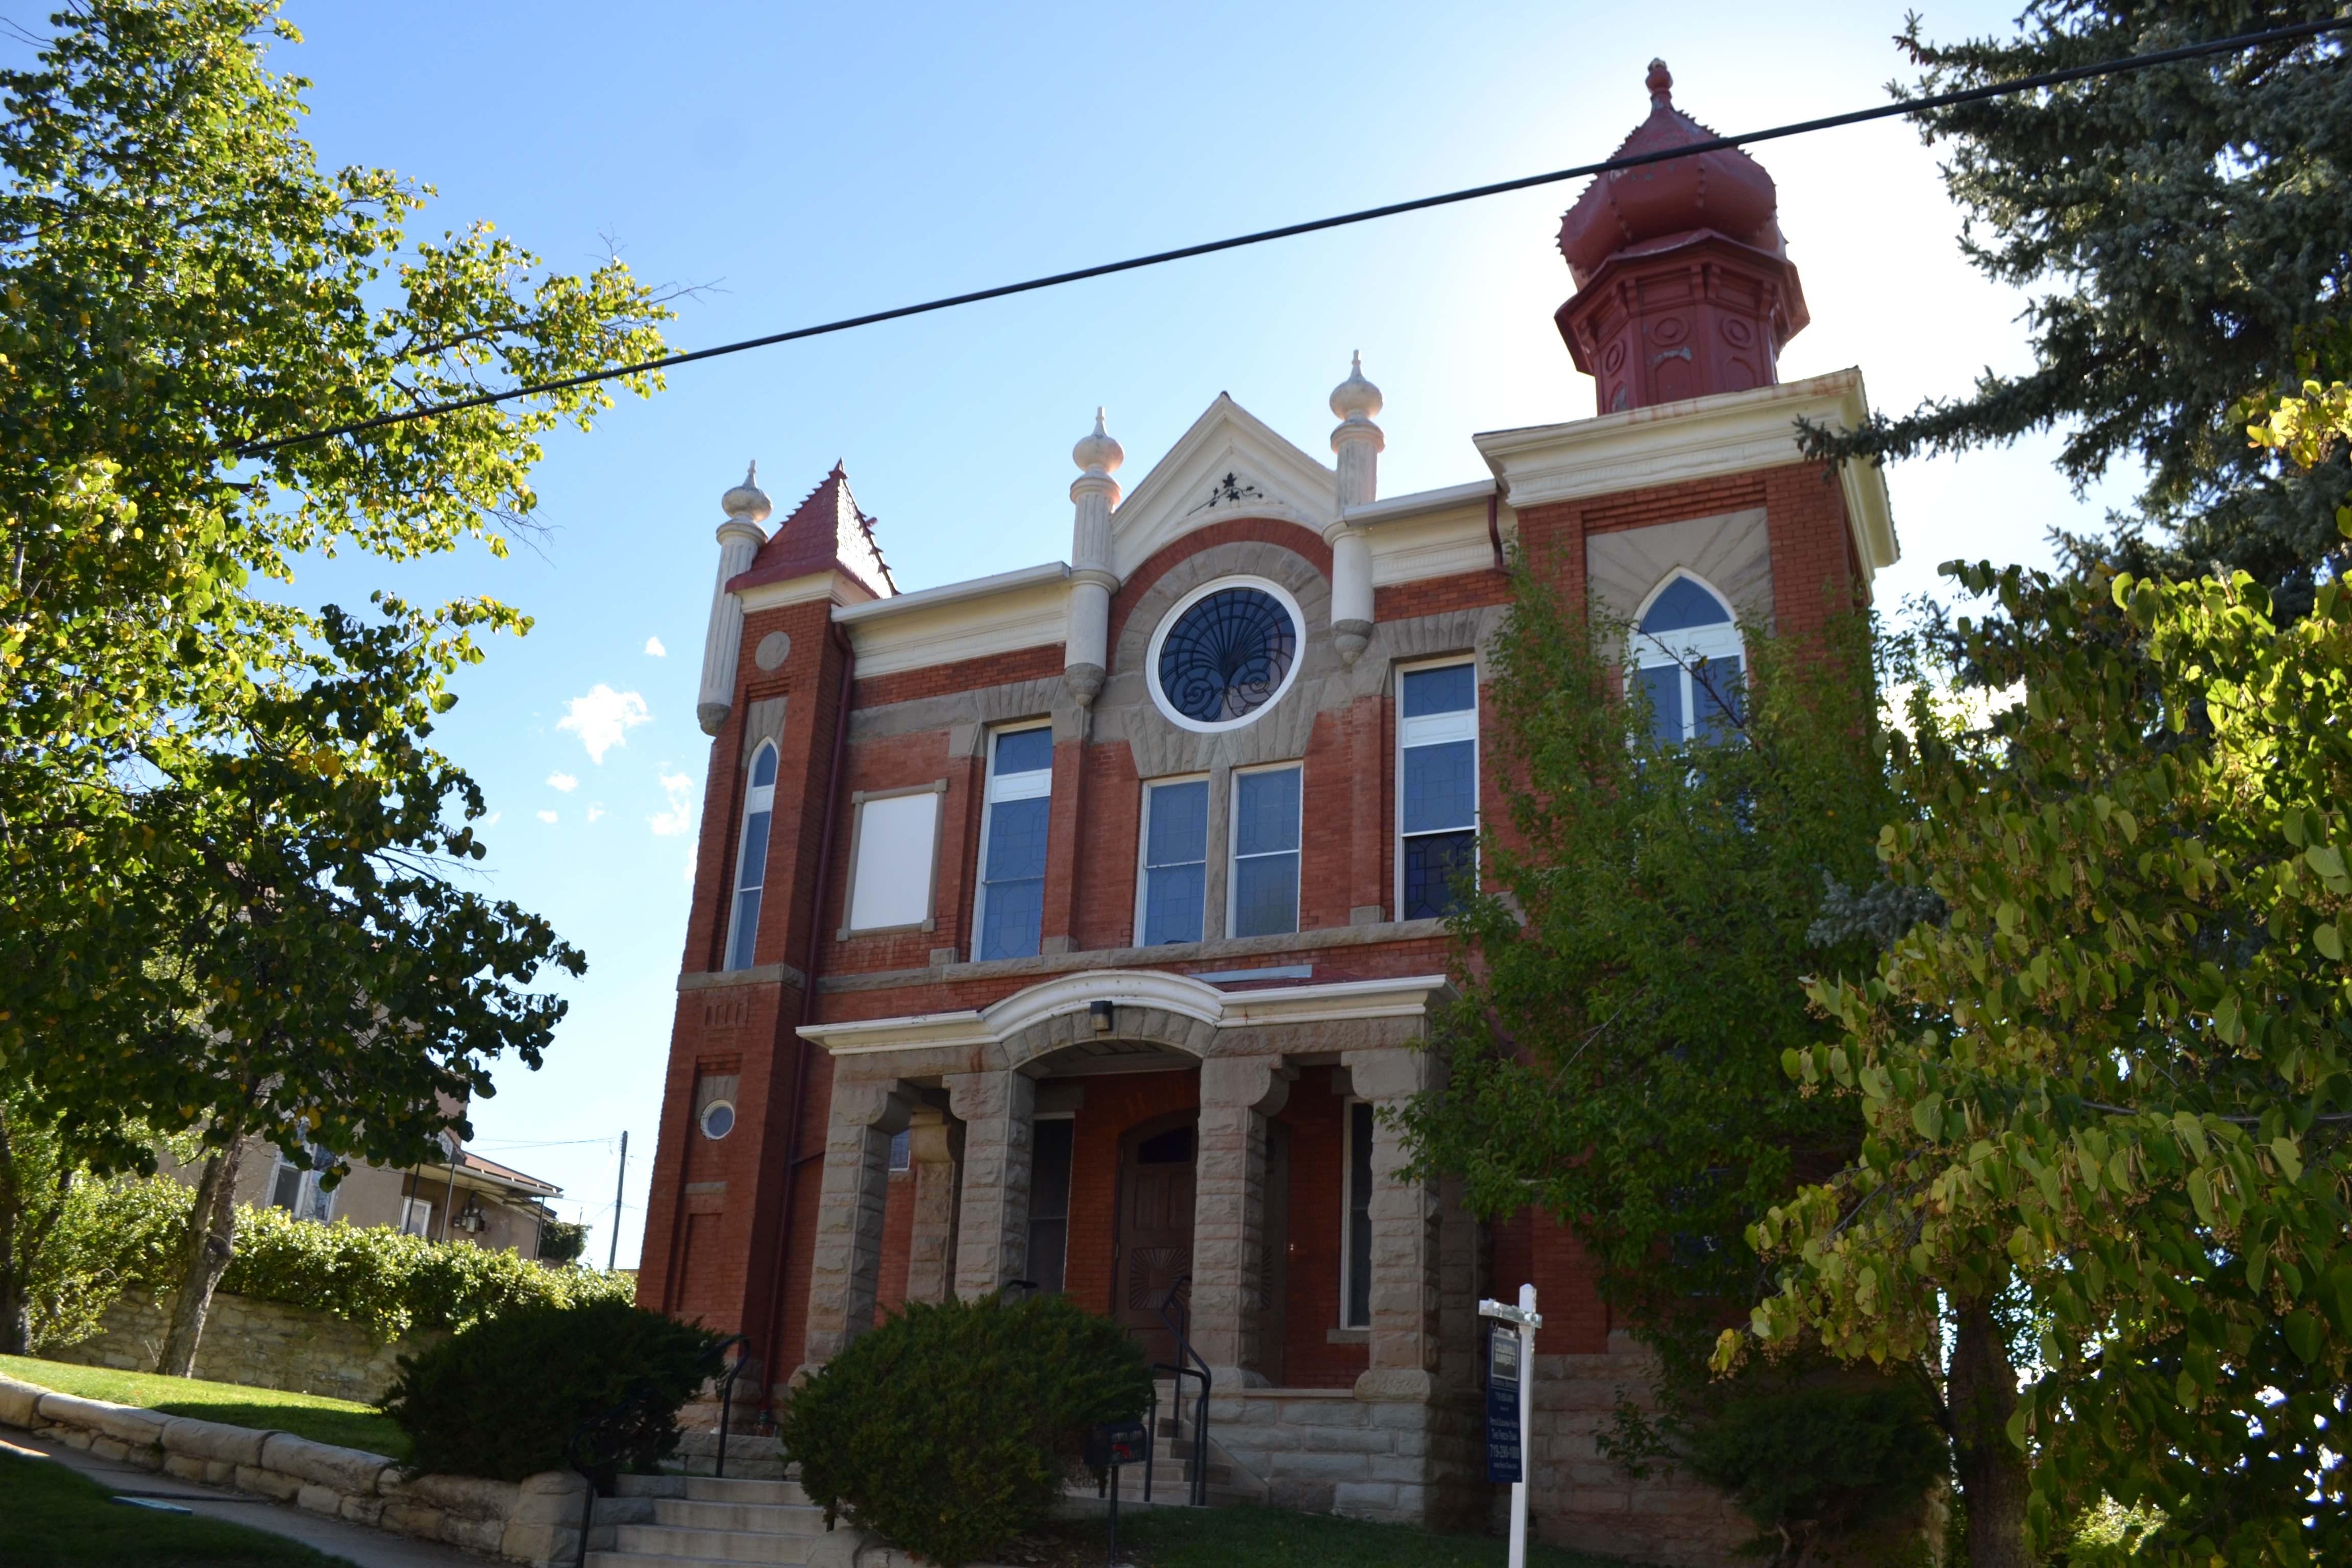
(1069, 926)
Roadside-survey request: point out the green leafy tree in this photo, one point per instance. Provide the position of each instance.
(1630, 977)
(178, 751)
(2185, 226)
(2114, 1089)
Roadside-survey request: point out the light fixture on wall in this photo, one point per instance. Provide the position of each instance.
(1100, 1012)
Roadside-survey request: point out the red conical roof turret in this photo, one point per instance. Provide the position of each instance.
(1684, 282)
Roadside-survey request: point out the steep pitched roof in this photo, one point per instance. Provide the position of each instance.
(826, 533)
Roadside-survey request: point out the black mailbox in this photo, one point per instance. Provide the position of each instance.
(1120, 1442)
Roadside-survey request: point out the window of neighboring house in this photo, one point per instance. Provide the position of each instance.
(1687, 655)
(1049, 1201)
(416, 1217)
(1012, 912)
(751, 858)
(294, 1185)
(1175, 861)
(1265, 852)
(1437, 789)
(1356, 1237)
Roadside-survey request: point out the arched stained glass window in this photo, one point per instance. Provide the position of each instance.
(751, 858)
(1690, 661)
(1226, 655)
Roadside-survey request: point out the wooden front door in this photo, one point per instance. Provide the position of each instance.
(1155, 1228)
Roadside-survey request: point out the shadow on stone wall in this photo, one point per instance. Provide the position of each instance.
(261, 1344)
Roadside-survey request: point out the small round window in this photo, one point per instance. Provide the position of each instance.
(1224, 653)
(719, 1119)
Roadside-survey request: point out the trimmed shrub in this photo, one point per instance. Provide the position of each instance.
(951, 1428)
(502, 1397)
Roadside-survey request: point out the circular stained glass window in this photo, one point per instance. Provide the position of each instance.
(718, 1119)
(1227, 653)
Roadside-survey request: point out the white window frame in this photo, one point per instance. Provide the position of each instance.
(1433, 726)
(989, 798)
(310, 1201)
(1168, 624)
(1234, 845)
(1644, 651)
(416, 1217)
(858, 801)
(757, 798)
(1144, 850)
(1347, 1208)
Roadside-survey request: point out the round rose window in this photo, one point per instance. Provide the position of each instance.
(1225, 653)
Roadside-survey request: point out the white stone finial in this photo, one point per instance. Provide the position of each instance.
(1098, 453)
(1356, 399)
(746, 502)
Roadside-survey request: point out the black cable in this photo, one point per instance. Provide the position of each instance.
(1798, 128)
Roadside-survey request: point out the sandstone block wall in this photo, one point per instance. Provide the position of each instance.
(261, 1344)
(1327, 1451)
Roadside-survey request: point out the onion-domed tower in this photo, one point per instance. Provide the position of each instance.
(1684, 285)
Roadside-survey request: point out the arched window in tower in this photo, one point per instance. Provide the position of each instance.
(1689, 660)
(751, 858)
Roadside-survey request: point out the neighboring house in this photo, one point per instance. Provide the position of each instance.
(491, 1206)
(1072, 926)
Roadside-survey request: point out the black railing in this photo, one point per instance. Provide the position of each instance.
(727, 1393)
(1180, 1300)
(593, 1447)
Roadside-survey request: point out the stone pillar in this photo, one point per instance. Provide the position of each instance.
(992, 1230)
(739, 538)
(1086, 655)
(1357, 443)
(936, 1151)
(1405, 1345)
(848, 1266)
(1229, 1221)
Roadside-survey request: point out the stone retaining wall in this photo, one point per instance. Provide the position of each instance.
(1332, 1451)
(534, 1522)
(261, 1344)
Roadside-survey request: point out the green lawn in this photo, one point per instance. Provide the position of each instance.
(1278, 1538)
(58, 1517)
(311, 1415)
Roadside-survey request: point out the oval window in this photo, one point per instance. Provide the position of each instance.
(1227, 652)
(718, 1119)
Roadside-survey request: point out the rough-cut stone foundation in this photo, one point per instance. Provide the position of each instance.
(1329, 1451)
(261, 1344)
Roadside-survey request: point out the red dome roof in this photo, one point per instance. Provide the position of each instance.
(1725, 190)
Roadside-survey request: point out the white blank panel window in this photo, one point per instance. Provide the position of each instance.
(1265, 852)
(1437, 794)
(752, 860)
(1011, 918)
(897, 836)
(1175, 861)
(1688, 656)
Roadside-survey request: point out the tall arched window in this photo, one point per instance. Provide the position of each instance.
(1688, 657)
(751, 858)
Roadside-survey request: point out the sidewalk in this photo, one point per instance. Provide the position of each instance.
(338, 1538)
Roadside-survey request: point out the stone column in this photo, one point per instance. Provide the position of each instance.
(1357, 443)
(847, 1264)
(936, 1150)
(992, 1230)
(1229, 1229)
(739, 538)
(1087, 647)
(1405, 1251)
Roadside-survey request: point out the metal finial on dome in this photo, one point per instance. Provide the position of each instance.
(746, 502)
(1098, 453)
(1356, 398)
(1661, 83)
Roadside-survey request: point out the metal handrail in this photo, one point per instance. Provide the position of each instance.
(638, 1395)
(1185, 1352)
(727, 1393)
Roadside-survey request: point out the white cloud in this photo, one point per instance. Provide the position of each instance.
(686, 873)
(654, 647)
(491, 820)
(563, 782)
(603, 718)
(679, 818)
(596, 811)
(547, 816)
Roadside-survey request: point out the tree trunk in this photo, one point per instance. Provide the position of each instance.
(15, 1328)
(1983, 1396)
(204, 1258)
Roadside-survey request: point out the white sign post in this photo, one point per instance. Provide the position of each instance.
(1511, 1360)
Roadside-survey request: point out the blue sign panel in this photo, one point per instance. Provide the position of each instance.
(1502, 1402)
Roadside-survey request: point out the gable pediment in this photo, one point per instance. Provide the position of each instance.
(1229, 464)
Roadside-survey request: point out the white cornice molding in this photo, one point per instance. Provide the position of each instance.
(1165, 505)
(1178, 993)
(990, 616)
(1420, 503)
(836, 587)
(951, 593)
(1701, 438)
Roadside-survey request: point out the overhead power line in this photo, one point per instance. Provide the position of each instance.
(1798, 128)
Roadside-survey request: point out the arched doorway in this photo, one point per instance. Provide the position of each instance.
(1153, 1249)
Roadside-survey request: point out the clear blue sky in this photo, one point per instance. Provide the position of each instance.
(804, 162)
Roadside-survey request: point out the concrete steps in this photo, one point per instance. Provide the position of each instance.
(697, 1521)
